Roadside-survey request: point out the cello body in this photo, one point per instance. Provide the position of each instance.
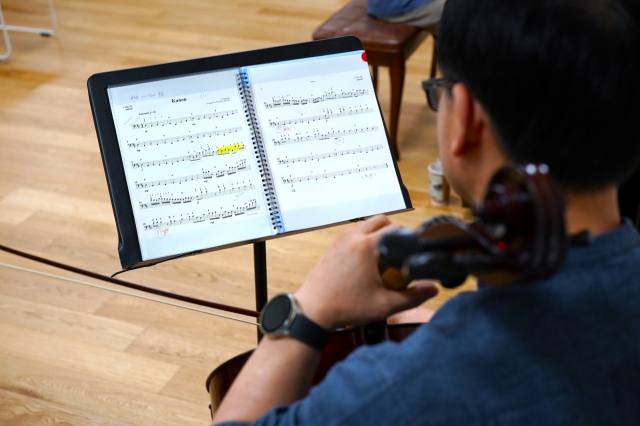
(340, 345)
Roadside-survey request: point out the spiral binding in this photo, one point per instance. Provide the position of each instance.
(244, 87)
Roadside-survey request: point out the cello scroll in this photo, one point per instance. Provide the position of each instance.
(518, 235)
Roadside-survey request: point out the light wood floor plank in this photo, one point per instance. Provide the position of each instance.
(109, 403)
(24, 410)
(91, 329)
(189, 384)
(76, 355)
(187, 350)
(50, 291)
(234, 336)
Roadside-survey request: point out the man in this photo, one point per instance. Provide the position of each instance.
(424, 14)
(552, 82)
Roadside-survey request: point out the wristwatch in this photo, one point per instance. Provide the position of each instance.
(281, 316)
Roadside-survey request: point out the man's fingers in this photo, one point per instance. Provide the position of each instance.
(419, 314)
(377, 234)
(372, 224)
(413, 296)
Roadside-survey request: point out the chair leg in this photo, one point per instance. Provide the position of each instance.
(5, 36)
(434, 60)
(42, 31)
(54, 20)
(374, 75)
(396, 71)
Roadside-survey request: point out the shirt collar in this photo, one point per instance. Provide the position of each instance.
(622, 239)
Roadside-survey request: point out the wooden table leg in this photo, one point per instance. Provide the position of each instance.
(396, 71)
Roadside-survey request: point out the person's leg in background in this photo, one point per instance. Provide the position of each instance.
(426, 16)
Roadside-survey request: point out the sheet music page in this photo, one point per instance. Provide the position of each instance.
(188, 158)
(325, 140)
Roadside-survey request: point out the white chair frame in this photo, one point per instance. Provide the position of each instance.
(42, 31)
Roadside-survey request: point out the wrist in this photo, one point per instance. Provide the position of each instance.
(315, 311)
(282, 317)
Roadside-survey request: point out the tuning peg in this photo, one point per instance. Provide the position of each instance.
(394, 247)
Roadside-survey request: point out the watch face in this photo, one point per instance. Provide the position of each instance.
(276, 313)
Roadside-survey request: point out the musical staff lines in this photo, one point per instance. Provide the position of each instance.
(334, 174)
(188, 119)
(164, 200)
(342, 112)
(287, 101)
(189, 137)
(208, 152)
(312, 157)
(317, 135)
(193, 218)
(205, 175)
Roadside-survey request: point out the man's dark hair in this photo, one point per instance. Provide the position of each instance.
(560, 80)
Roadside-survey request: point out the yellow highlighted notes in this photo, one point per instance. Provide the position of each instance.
(230, 149)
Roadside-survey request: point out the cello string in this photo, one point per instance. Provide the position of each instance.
(33, 271)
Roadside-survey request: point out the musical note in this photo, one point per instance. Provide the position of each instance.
(192, 218)
(329, 114)
(333, 174)
(188, 119)
(322, 136)
(286, 101)
(209, 152)
(206, 174)
(160, 200)
(359, 150)
(189, 137)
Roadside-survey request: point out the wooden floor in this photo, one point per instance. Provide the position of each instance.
(71, 354)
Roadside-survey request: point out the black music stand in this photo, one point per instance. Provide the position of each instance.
(260, 271)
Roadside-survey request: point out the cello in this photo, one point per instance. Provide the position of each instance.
(517, 236)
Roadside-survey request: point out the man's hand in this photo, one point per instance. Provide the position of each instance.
(419, 314)
(345, 288)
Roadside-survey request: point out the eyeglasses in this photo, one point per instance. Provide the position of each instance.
(434, 87)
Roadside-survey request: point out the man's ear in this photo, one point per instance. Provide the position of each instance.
(467, 121)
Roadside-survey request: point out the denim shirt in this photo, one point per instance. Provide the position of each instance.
(386, 8)
(564, 351)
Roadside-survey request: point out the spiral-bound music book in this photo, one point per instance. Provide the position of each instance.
(216, 152)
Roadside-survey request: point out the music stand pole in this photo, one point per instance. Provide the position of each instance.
(260, 270)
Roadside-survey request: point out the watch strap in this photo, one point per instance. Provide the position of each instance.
(307, 331)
